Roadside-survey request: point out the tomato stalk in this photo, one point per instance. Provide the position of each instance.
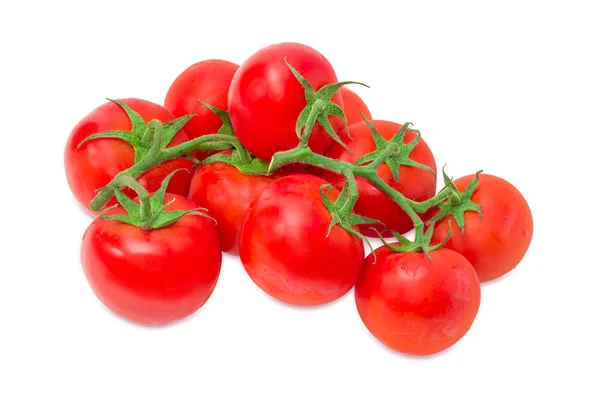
(158, 153)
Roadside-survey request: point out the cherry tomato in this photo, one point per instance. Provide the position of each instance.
(285, 248)
(208, 81)
(98, 161)
(415, 183)
(154, 276)
(416, 305)
(265, 99)
(227, 194)
(354, 106)
(495, 243)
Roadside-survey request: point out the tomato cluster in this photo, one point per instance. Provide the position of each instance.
(276, 161)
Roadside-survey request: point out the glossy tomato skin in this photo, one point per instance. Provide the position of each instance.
(284, 248)
(495, 244)
(227, 194)
(153, 277)
(265, 99)
(415, 305)
(415, 183)
(354, 106)
(98, 161)
(208, 81)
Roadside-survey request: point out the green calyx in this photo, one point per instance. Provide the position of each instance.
(240, 158)
(149, 213)
(394, 153)
(422, 242)
(226, 127)
(341, 209)
(318, 109)
(140, 137)
(458, 203)
(159, 135)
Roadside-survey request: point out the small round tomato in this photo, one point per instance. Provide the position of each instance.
(414, 304)
(496, 242)
(98, 161)
(227, 194)
(208, 81)
(415, 183)
(285, 248)
(153, 276)
(354, 106)
(265, 99)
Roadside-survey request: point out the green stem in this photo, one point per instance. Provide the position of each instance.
(421, 207)
(156, 155)
(303, 154)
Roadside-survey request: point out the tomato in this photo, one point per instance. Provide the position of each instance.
(227, 194)
(415, 183)
(265, 99)
(98, 161)
(354, 106)
(208, 81)
(285, 249)
(495, 243)
(416, 305)
(154, 276)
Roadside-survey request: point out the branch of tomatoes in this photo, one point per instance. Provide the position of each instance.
(394, 153)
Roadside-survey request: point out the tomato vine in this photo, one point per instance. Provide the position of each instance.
(393, 152)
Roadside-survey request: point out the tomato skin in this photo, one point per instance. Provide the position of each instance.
(208, 81)
(496, 244)
(415, 305)
(227, 194)
(153, 277)
(354, 106)
(284, 248)
(265, 99)
(98, 161)
(415, 183)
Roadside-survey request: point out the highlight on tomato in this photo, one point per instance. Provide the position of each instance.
(289, 249)
(492, 224)
(412, 172)
(150, 262)
(417, 303)
(111, 139)
(266, 98)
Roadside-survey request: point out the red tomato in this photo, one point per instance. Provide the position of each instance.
(284, 246)
(155, 276)
(417, 305)
(208, 81)
(495, 244)
(98, 161)
(227, 194)
(415, 183)
(265, 99)
(354, 106)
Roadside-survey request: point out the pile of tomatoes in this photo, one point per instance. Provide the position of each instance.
(154, 250)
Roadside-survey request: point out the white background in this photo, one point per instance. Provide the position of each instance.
(512, 89)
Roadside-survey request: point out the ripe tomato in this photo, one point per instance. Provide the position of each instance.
(227, 194)
(354, 106)
(417, 305)
(495, 243)
(98, 161)
(155, 276)
(415, 183)
(285, 248)
(208, 81)
(265, 99)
